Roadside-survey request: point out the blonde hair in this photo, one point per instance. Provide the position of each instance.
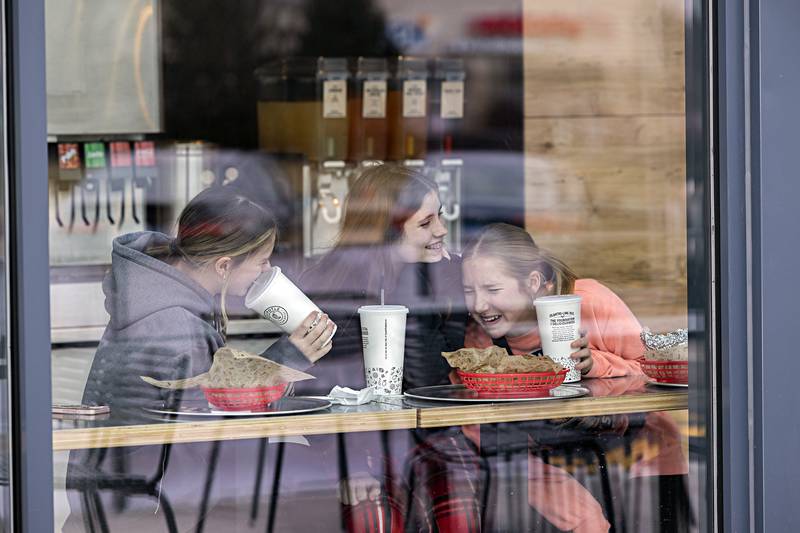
(220, 222)
(517, 250)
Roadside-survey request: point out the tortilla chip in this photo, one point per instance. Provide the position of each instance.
(472, 358)
(495, 360)
(236, 369)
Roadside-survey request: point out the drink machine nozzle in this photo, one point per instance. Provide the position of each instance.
(121, 170)
(69, 173)
(144, 172)
(96, 172)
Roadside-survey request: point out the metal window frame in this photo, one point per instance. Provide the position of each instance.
(751, 138)
(757, 131)
(28, 267)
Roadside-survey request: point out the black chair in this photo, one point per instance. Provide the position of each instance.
(254, 506)
(90, 480)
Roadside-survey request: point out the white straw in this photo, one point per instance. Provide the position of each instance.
(381, 296)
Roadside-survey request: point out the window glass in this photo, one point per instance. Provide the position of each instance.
(255, 202)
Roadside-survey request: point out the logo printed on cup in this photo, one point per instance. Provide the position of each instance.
(274, 297)
(276, 314)
(559, 319)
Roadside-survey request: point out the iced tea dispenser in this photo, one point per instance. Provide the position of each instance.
(271, 107)
(302, 112)
(407, 109)
(367, 108)
(446, 102)
(332, 77)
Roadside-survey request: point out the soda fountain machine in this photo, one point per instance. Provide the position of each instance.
(325, 119)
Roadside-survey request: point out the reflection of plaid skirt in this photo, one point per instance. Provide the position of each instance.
(446, 482)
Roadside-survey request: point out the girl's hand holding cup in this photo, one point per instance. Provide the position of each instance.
(312, 336)
(583, 356)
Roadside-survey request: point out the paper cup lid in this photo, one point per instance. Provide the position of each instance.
(383, 309)
(260, 285)
(557, 299)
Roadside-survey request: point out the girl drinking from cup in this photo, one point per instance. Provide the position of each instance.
(504, 272)
(167, 299)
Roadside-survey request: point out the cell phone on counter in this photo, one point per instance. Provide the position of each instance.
(76, 409)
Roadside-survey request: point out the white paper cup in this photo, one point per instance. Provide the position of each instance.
(276, 298)
(559, 320)
(383, 334)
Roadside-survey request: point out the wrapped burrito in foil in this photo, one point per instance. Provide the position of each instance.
(671, 346)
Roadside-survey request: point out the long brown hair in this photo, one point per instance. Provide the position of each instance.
(219, 222)
(518, 251)
(381, 199)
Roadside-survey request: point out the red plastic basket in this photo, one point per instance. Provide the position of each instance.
(667, 371)
(251, 399)
(512, 383)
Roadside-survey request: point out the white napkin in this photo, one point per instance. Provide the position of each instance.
(347, 396)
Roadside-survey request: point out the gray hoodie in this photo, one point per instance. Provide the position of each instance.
(163, 324)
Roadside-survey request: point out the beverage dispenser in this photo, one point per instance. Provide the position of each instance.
(144, 175)
(407, 102)
(446, 117)
(271, 107)
(326, 172)
(96, 173)
(367, 110)
(65, 174)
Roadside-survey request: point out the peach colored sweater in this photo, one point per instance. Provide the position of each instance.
(611, 328)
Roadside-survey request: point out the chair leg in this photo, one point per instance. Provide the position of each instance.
(485, 487)
(119, 465)
(169, 515)
(276, 483)
(88, 511)
(262, 452)
(608, 497)
(212, 467)
(410, 480)
(344, 475)
(388, 467)
(101, 513)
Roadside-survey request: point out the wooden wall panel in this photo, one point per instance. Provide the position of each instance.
(605, 147)
(616, 57)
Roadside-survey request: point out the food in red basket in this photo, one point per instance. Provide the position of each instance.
(492, 371)
(250, 399)
(495, 360)
(670, 346)
(666, 356)
(236, 369)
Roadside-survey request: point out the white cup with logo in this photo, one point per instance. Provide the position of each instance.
(383, 335)
(276, 298)
(559, 320)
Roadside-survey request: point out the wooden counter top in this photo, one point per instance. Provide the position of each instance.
(607, 396)
(342, 420)
(576, 407)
